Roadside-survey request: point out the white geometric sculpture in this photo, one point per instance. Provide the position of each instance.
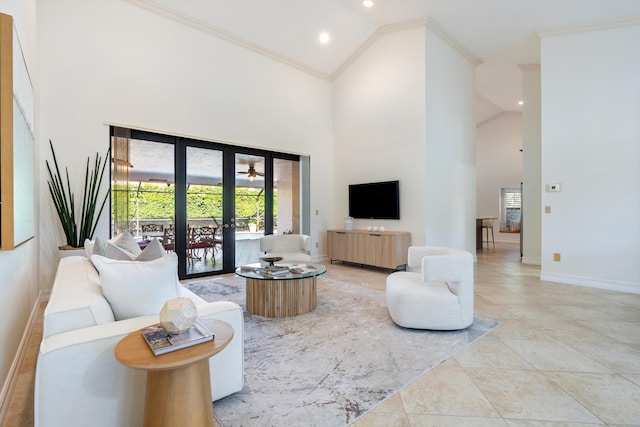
(178, 315)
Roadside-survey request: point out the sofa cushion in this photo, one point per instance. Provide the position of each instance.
(76, 299)
(137, 288)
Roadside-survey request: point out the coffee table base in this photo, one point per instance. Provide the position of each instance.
(281, 298)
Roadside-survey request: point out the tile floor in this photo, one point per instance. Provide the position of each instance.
(563, 356)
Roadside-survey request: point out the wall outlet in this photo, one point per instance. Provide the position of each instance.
(556, 256)
(316, 244)
(547, 209)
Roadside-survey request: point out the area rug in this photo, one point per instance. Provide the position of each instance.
(332, 365)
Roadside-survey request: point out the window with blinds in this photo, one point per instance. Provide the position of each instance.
(511, 201)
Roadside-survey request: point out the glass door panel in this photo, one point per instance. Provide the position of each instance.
(249, 207)
(142, 190)
(286, 196)
(204, 251)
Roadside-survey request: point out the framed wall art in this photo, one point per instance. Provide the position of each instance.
(17, 141)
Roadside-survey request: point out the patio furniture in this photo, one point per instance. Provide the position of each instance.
(151, 230)
(169, 239)
(201, 238)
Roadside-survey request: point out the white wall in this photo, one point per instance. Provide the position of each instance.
(590, 145)
(405, 110)
(379, 133)
(450, 183)
(499, 165)
(18, 278)
(110, 61)
(531, 180)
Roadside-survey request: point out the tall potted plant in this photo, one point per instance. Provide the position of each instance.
(78, 226)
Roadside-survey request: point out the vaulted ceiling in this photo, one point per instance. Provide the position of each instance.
(500, 33)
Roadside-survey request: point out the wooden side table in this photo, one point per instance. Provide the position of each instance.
(178, 389)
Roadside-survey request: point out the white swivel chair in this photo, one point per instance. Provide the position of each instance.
(436, 291)
(291, 247)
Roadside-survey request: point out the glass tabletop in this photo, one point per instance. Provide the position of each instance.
(281, 271)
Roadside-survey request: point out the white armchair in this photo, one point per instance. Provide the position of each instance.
(436, 291)
(291, 247)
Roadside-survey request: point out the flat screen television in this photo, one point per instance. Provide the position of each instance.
(375, 200)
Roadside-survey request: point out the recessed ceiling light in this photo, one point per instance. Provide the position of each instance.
(367, 3)
(520, 102)
(324, 38)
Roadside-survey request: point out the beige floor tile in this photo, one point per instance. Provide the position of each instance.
(503, 297)
(389, 413)
(448, 421)
(518, 329)
(571, 331)
(528, 395)
(582, 312)
(620, 358)
(391, 404)
(629, 300)
(446, 390)
(491, 311)
(536, 423)
(533, 313)
(490, 353)
(625, 313)
(553, 356)
(382, 419)
(626, 332)
(613, 398)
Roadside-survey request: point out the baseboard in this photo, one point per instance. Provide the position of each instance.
(531, 260)
(612, 285)
(12, 376)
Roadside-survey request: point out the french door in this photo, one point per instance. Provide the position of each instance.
(208, 202)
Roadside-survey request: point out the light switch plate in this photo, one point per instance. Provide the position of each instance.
(554, 188)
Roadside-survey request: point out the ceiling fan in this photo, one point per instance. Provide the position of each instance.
(252, 173)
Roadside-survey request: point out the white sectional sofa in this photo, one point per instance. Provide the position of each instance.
(78, 380)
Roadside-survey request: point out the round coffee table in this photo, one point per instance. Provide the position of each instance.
(282, 293)
(178, 383)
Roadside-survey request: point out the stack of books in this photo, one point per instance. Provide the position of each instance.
(302, 268)
(161, 342)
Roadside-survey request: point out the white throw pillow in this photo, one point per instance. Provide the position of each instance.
(127, 242)
(107, 249)
(88, 247)
(138, 288)
(154, 250)
(117, 247)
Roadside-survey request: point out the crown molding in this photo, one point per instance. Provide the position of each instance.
(400, 26)
(451, 41)
(198, 25)
(428, 23)
(575, 29)
(224, 35)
